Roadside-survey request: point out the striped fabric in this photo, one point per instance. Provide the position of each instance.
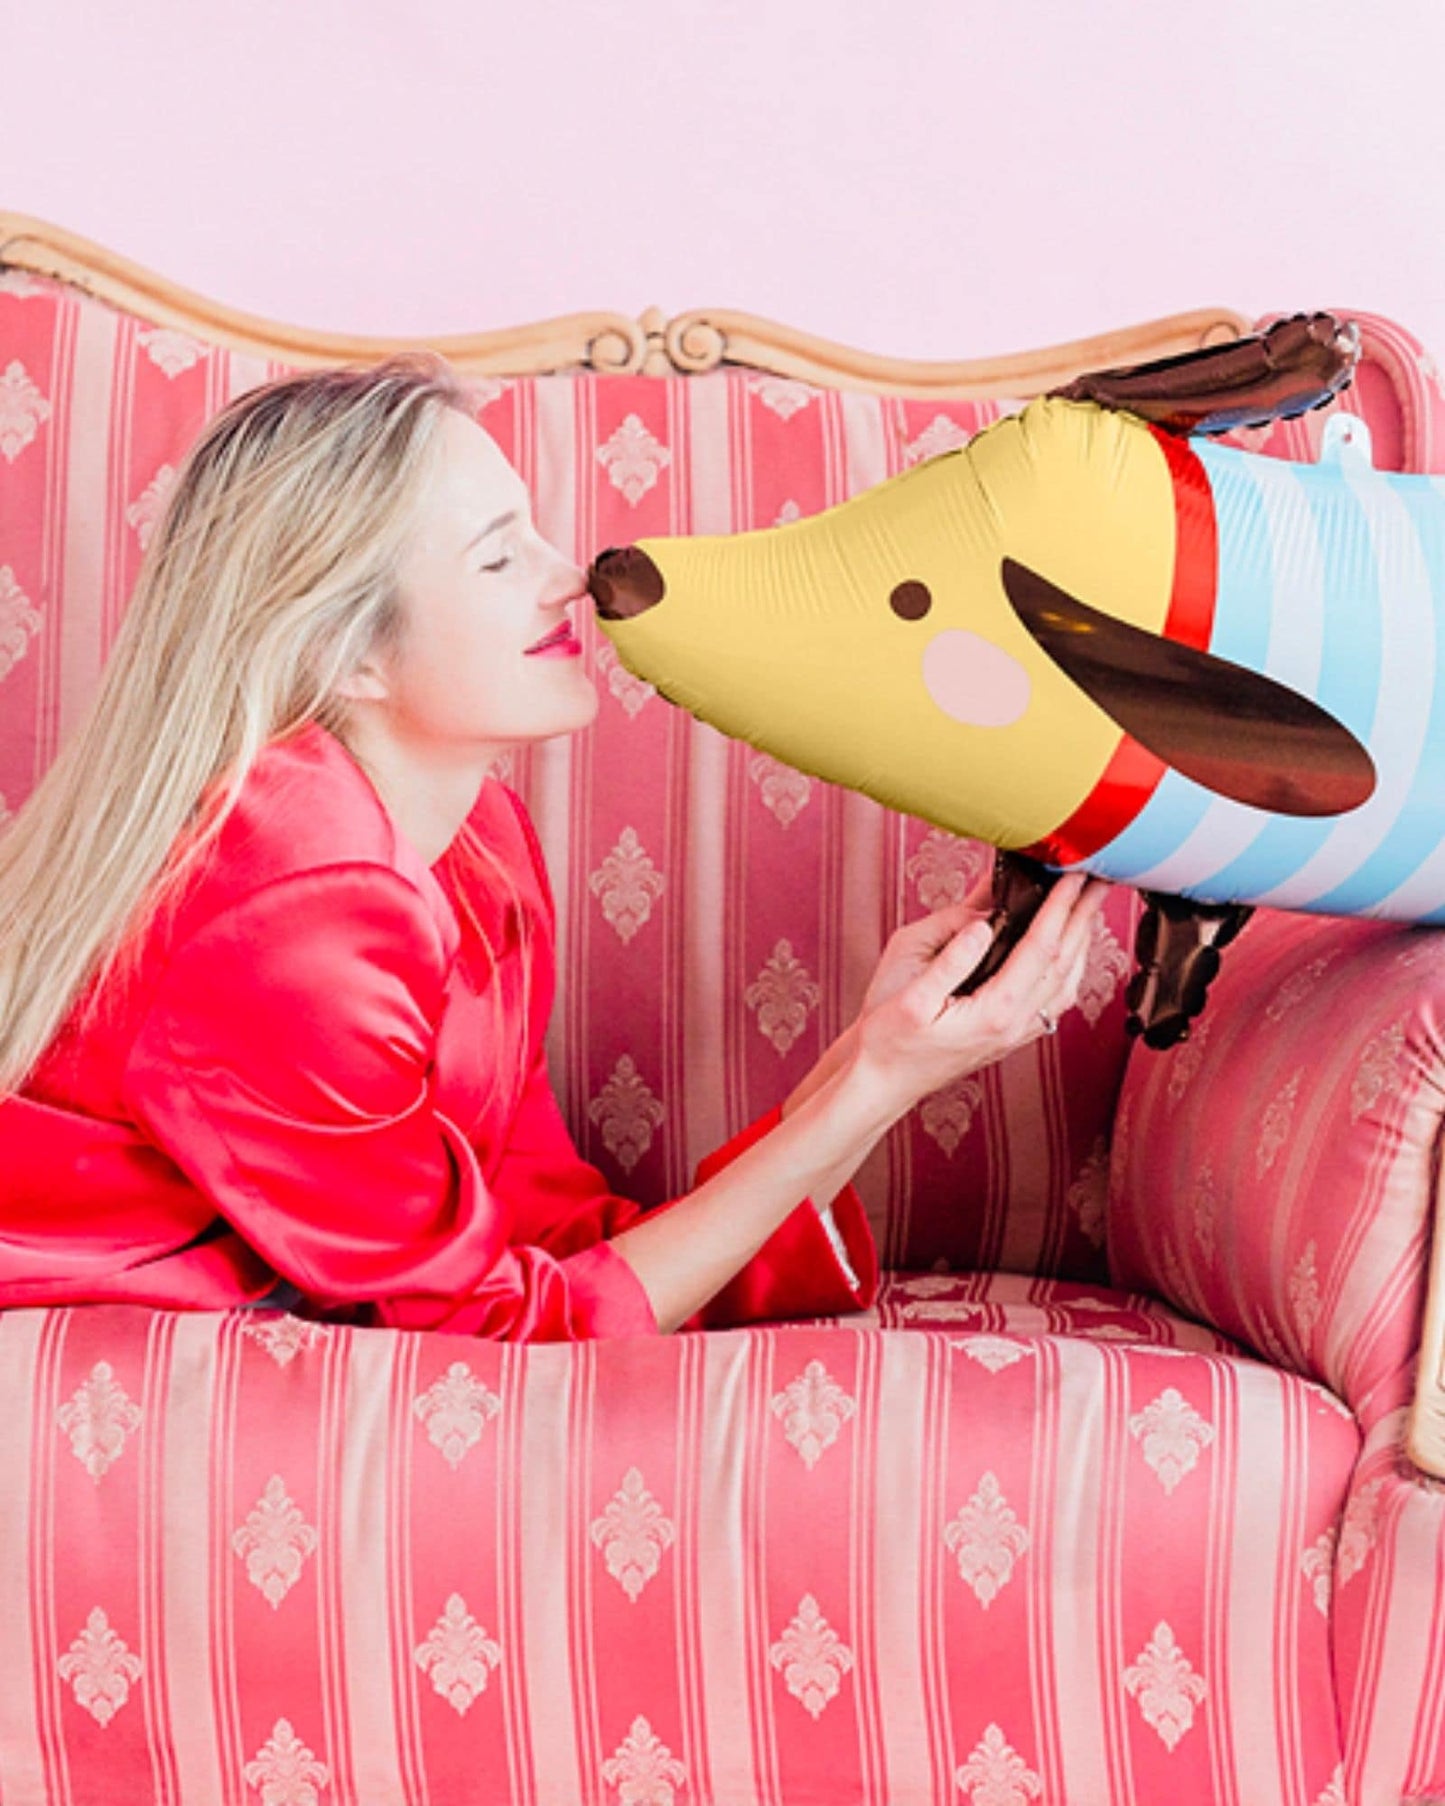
(1009, 1537)
(1354, 562)
(805, 1564)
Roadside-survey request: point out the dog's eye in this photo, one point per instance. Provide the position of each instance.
(911, 601)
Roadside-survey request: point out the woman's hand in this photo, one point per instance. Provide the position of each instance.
(914, 1036)
(912, 949)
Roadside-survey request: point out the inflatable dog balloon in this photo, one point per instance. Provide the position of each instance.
(1095, 642)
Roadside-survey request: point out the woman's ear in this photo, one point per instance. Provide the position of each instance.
(365, 684)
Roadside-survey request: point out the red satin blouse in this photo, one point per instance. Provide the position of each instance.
(329, 1070)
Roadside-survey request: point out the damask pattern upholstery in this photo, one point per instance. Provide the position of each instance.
(824, 1562)
(1011, 1536)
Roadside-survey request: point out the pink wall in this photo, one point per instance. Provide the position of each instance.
(928, 177)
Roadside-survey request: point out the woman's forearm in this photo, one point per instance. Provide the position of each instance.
(832, 1060)
(915, 1034)
(687, 1254)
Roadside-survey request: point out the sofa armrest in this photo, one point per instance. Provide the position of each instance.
(1276, 1175)
(1425, 1436)
(1395, 360)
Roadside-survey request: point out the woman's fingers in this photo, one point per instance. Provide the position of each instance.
(939, 927)
(1079, 930)
(955, 960)
(1044, 970)
(1067, 969)
(980, 894)
(923, 1035)
(923, 937)
(1025, 969)
(936, 929)
(913, 947)
(1042, 974)
(1065, 994)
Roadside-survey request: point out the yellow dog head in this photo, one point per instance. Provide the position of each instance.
(874, 644)
(923, 643)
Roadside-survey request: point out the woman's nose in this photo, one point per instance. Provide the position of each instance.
(624, 582)
(566, 580)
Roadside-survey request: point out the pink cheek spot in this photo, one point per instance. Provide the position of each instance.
(974, 681)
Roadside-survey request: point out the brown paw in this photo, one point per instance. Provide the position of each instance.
(1177, 946)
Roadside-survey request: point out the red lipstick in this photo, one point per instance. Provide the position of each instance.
(562, 642)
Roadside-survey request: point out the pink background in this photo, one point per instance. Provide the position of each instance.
(949, 178)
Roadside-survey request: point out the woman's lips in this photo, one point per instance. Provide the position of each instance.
(560, 643)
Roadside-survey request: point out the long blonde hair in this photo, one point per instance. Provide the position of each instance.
(269, 578)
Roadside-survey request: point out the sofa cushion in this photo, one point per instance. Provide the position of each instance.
(809, 1563)
(1021, 1304)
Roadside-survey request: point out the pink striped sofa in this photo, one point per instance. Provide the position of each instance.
(1110, 1500)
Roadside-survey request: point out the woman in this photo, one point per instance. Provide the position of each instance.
(275, 944)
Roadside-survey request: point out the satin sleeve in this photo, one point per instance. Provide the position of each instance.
(807, 1267)
(554, 1197)
(285, 1066)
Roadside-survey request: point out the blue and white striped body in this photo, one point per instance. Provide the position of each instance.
(1332, 582)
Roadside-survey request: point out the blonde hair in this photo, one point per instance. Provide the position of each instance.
(270, 576)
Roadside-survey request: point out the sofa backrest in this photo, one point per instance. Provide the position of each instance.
(719, 914)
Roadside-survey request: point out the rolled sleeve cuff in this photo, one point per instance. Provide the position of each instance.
(530, 1297)
(806, 1268)
(608, 1297)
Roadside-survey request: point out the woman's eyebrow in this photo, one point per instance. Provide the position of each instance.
(502, 520)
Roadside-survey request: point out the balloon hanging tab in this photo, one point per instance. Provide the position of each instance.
(1347, 442)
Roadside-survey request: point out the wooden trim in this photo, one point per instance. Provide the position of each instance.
(614, 343)
(1425, 1435)
(597, 341)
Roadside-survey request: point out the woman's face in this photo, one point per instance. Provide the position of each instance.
(487, 656)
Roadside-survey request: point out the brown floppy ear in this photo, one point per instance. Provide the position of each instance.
(1237, 733)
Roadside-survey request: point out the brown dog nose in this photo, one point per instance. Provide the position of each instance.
(624, 582)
